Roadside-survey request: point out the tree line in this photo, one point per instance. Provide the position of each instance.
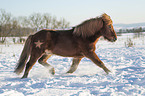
(11, 26)
(132, 30)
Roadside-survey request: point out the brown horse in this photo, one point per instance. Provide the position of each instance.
(77, 42)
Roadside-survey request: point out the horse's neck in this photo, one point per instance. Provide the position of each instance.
(95, 37)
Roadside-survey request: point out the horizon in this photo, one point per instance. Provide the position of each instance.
(131, 23)
(77, 11)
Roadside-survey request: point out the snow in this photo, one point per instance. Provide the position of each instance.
(127, 77)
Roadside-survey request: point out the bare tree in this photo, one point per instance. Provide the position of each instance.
(63, 23)
(54, 23)
(6, 25)
(38, 21)
(35, 21)
(47, 19)
(23, 21)
(22, 26)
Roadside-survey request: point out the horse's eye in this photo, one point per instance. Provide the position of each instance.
(109, 26)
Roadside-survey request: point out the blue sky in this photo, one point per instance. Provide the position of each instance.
(76, 11)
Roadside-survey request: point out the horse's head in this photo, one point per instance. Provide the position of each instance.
(108, 31)
(102, 24)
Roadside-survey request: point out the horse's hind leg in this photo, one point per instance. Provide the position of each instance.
(74, 65)
(30, 64)
(43, 62)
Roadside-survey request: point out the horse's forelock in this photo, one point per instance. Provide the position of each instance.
(106, 18)
(89, 27)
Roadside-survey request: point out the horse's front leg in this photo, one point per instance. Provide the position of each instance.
(74, 65)
(94, 58)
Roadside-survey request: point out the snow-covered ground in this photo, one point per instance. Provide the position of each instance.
(127, 77)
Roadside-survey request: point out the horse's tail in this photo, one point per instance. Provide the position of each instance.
(24, 56)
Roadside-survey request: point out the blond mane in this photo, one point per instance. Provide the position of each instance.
(90, 27)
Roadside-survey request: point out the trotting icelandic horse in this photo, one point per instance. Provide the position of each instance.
(77, 42)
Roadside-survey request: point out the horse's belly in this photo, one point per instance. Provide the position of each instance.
(67, 52)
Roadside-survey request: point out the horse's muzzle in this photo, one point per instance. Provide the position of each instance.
(114, 39)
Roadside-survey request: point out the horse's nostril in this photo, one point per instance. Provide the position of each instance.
(115, 39)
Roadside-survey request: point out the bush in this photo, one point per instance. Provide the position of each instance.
(129, 43)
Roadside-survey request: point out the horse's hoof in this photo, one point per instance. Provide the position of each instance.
(52, 71)
(70, 71)
(23, 77)
(107, 71)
